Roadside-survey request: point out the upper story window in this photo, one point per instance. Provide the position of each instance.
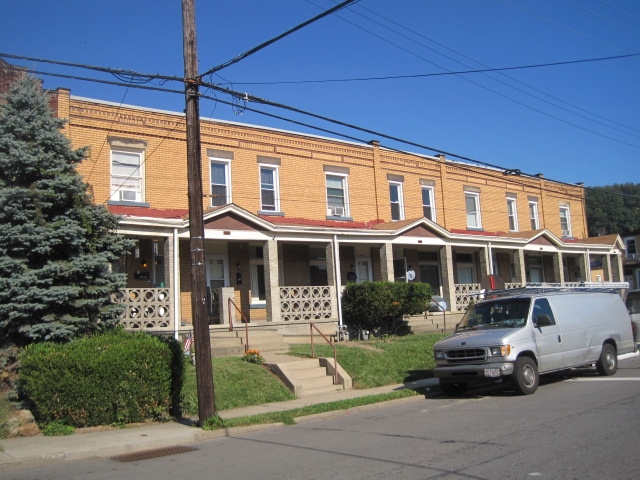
(337, 190)
(127, 179)
(512, 212)
(220, 162)
(428, 203)
(472, 207)
(630, 245)
(565, 221)
(397, 202)
(533, 214)
(269, 184)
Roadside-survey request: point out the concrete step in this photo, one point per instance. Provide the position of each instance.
(311, 376)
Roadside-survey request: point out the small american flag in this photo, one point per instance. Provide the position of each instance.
(188, 343)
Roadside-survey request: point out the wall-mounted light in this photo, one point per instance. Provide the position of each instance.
(143, 263)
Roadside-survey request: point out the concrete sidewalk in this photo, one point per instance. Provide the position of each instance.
(29, 452)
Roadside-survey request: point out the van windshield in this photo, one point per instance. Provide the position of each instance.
(504, 313)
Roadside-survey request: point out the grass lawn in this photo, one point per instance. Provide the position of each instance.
(370, 363)
(381, 361)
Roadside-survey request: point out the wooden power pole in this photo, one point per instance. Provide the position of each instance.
(202, 340)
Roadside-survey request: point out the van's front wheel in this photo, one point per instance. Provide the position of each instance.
(525, 376)
(608, 362)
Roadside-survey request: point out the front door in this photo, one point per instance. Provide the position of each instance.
(431, 274)
(217, 277)
(363, 270)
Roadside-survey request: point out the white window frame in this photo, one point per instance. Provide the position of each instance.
(512, 213)
(534, 215)
(399, 201)
(276, 188)
(122, 184)
(429, 191)
(565, 217)
(226, 163)
(333, 209)
(475, 197)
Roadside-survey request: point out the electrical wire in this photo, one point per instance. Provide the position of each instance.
(244, 55)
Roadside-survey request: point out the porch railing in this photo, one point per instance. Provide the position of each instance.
(465, 293)
(305, 303)
(146, 308)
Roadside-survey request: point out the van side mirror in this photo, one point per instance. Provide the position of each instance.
(543, 320)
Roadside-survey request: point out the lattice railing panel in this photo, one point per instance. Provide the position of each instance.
(465, 292)
(305, 303)
(146, 308)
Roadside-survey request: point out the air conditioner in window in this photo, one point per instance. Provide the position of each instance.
(129, 195)
(335, 211)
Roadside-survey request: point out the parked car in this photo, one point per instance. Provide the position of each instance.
(633, 306)
(518, 335)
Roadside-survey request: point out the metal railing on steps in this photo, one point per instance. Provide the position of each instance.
(335, 356)
(244, 320)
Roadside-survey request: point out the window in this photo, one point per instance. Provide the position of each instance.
(472, 205)
(630, 245)
(395, 196)
(220, 184)
(126, 174)
(512, 212)
(428, 210)
(533, 214)
(269, 198)
(565, 221)
(336, 196)
(542, 307)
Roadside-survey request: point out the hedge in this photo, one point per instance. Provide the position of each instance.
(111, 378)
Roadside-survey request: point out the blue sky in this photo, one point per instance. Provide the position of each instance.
(578, 122)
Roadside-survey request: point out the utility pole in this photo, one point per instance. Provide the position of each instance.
(204, 371)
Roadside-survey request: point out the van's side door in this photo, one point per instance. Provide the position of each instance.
(547, 336)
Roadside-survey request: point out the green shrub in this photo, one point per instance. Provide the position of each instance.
(56, 429)
(111, 378)
(377, 306)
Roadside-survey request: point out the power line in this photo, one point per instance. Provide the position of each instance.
(438, 74)
(279, 37)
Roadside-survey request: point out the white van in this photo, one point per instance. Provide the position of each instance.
(519, 334)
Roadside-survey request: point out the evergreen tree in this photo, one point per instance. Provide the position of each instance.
(55, 243)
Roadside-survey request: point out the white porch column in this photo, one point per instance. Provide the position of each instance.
(386, 261)
(606, 269)
(518, 263)
(271, 281)
(486, 262)
(448, 279)
(558, 269)
(172, 259)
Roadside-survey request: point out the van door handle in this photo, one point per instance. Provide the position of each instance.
(559, 339)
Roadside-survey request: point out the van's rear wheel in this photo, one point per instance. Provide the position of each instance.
(608, 362)
(525, 376)
(453, 389)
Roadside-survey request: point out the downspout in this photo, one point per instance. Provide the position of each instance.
(490, 260)
(336, 268)
(587, 267)
(175, 282)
